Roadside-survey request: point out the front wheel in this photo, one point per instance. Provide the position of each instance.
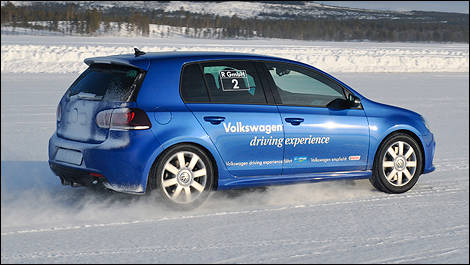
(184, 176)
(397, 165)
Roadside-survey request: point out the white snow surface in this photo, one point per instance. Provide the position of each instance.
(60, 54)
(327, 222)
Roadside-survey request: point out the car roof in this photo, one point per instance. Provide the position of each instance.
(143, 61)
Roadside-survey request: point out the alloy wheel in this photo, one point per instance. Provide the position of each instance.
(399, 163)
(184, 177)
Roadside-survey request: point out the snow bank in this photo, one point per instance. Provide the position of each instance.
(52, 54)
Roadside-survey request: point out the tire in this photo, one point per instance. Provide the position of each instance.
(185, 186)
(397, 165)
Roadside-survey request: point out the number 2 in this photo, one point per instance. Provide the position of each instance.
(235, 83)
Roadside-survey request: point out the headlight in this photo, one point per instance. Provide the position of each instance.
(426, 123)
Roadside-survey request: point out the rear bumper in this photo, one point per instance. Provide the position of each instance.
(70, 175)
(122, 159)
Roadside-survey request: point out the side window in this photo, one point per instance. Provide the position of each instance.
(295, 85)
(233, 82)
(193, 88)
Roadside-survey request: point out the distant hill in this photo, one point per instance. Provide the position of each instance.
(202, 19)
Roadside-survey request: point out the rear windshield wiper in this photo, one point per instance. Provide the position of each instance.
(89, 96)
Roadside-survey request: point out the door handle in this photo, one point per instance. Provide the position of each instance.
(294, 121)
(214, 119)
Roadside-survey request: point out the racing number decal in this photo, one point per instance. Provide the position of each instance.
(235, 86)
(233, 80)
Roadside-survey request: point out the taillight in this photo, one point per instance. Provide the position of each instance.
(123, 119)
(59, 113)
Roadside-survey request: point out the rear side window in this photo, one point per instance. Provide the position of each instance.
(233, 83)
(227, 82)
(193, 88)
(107, 82)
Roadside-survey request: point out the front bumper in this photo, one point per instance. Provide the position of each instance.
(429, 145)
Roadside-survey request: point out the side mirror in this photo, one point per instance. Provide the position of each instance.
(354, 101)
(339, 104)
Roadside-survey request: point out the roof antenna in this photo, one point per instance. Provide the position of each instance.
(138, 52)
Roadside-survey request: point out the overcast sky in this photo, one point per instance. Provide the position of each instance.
(442, 6)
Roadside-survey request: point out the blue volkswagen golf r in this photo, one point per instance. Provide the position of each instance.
(185, 123)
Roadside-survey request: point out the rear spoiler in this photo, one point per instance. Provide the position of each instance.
(108, 60)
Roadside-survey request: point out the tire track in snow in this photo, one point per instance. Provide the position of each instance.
(420, 256)
(331, 246)
(450, 164)
(433, 192)
(387, 242)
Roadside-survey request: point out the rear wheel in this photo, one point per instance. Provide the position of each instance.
(184, 176)
(397, 165)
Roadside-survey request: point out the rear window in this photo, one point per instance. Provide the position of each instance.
(108, 82)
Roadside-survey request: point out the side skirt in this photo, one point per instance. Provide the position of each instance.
(241, 182)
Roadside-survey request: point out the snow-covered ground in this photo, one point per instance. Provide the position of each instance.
(328, 222)
(53, 54)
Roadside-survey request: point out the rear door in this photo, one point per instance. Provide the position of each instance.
(228, 99)
(100, 87)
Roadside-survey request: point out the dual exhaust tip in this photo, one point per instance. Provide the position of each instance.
(93, 179)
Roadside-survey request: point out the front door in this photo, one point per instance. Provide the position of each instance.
(317, 138)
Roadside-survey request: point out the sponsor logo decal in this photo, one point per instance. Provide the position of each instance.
(354, 157)
(328, 159)
(300, 159)
(297, 159)
(239, 127)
